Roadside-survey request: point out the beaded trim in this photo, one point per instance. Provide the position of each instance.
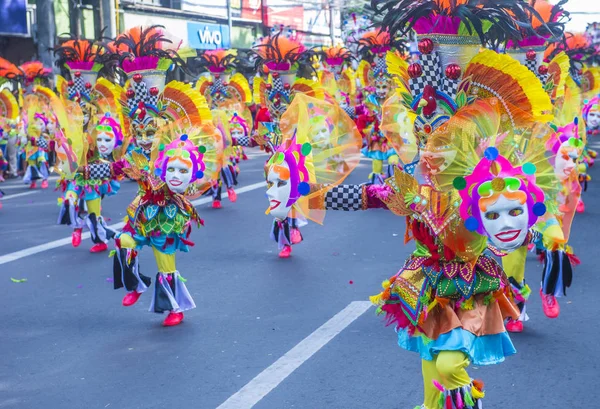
(449, 39)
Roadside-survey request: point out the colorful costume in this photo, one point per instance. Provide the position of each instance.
(463, 175)
(229, 94)
(283, 57)
(177, 156)
(376, 48)
(102, 142)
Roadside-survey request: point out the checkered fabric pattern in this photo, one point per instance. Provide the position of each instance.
(543, 78)
(576, 77)
(344, 197)
(99, 171)
(350, 111)
(431, 72)
(380, 65)
(42, 143)
(532, 65)
(243, 141)
(449, 87)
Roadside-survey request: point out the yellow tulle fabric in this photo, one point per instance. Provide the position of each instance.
(332, 157)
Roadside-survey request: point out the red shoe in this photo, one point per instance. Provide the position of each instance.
(174, 318)
(580, 206)
(33, 185)
(231, 195)
(286, 252)
(44, 184)
(76, 237)
(514, 326)
(295, 236)
(244, 157)
(131, 298)
(216, 204)
(99, 248)
(550, 305)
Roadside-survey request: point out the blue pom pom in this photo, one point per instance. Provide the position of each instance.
(471, 224)
(199, 174)
(183, 137)
(119, 143)
(491, 153)
(539, 209)
(157, 172)
(576, 121)
(304, 188)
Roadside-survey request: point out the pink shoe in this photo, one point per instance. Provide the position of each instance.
(131, 298)
(33, 185)
(550, 305)
(244, 157)
(296, 236)
(216, 204)
(580, 206)
(514, 326)
(174, 318)
(286, 252)
(44, 184)
(99, 248)
(76, 237)
(231, 195)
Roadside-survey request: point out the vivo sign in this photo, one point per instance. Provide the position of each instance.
(205, 36)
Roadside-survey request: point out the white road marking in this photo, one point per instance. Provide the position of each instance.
(8, 197)
(255, 390)
(7, 258)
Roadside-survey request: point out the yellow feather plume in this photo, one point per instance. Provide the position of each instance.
(519, 90)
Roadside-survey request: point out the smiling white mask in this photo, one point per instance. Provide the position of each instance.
(506, 223)
(593, 119)
(565, 162)
(178, 175)
(105, 143)
(278, 192)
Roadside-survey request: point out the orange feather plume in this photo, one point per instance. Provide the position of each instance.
(276, 48)
(9, 70)
(34, 69)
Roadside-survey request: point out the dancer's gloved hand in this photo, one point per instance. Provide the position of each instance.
(393, 160)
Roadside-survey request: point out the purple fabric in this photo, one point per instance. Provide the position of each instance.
(140, 63)
(374, 195)
(81, 65)
(437, 25)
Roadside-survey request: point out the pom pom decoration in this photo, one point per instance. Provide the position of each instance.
(539, 209)
(304, 188)
(472, 224)
(491, 153)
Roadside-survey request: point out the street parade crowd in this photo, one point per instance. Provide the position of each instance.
(478, 138)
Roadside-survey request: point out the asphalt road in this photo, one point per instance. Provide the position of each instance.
(67, 343)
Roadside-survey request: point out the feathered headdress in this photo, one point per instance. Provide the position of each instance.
(378, 42)
(82, 58)
(548, 26)
(9, 70)
(281, 51)
(493, 22)
(218, 61)
(34, 72)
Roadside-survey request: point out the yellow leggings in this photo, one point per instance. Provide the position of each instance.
(377, 166)
(164, 262)
(94, 206)
(449, 369)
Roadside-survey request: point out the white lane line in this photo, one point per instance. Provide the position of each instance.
(8, 197)
(7, 258)
(255, 390)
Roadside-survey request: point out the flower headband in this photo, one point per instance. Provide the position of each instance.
(495, 175)
(108, 124)
(295, 157)
(180, 148)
